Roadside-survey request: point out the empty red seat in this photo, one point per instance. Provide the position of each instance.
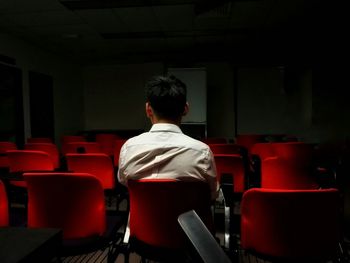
(233, 165)
(4, 209)
(291, 225)
(107, 141)
(65, 139)
(98, 164)
(28, 160)
(280, 173)
(248, 140)
(82, 147)
(117, 146)
(225, 148)
(49, 148)
(263, 150)
(4, 147)
(75, 203)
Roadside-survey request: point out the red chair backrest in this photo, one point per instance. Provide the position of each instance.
(117, 146)
(49, 148)
(28, 160)
(248, 140)
(4, 209)
(263, 150)
(303, 152)
(225, 148)
(89, 147)
(291, 224)
(107, 141)
(234, 165)
(98, 164)
(156, 204)
(279, 173)
(72, 138)
(4, 147)
(65, 139)
(39, 140)
(73, 202)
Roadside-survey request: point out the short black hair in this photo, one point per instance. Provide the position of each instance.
(167, 96)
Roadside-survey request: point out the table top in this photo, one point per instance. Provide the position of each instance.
(20, 244)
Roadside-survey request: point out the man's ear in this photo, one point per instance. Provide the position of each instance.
(149, 111)
(186, 109)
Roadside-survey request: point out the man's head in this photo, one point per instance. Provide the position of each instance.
(166, 99)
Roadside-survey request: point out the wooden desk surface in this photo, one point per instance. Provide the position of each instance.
(20, 244)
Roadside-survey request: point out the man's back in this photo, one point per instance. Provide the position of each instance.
(165, 152)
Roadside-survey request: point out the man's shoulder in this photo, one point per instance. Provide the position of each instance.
(191, 142)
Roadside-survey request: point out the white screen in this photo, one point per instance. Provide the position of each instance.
(196, 82)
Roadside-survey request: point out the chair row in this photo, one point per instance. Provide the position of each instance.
(98, 164)
(293, 225)
(53, 151)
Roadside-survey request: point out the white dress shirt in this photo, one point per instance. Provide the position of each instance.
(166, 153)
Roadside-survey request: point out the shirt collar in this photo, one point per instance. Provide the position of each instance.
(167, 127)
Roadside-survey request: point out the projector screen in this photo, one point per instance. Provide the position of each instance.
(196, 82)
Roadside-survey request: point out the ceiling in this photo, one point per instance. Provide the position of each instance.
(145, 30)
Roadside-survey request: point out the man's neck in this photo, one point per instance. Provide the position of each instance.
(156, 121)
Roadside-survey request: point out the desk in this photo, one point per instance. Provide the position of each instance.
(19, 244)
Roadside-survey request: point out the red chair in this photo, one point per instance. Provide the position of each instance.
(98, 164)
(65, 139)
(39, 140)
(117, 146)
(4, 147)
(4, 209)
(263, 150)
(230, 171)
(49, 148)
(73, 202)
(294, 151)
(292, 158)
(72, 138)
(82, 147)
(225, 148)
(233, 165)
(26, 161)
(248, 140)
(107, 141)
(278, 173)
(291, 225)
(154, 208)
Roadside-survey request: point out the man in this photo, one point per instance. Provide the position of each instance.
(164, 151)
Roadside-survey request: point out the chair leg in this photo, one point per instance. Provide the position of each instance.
(343, 256)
